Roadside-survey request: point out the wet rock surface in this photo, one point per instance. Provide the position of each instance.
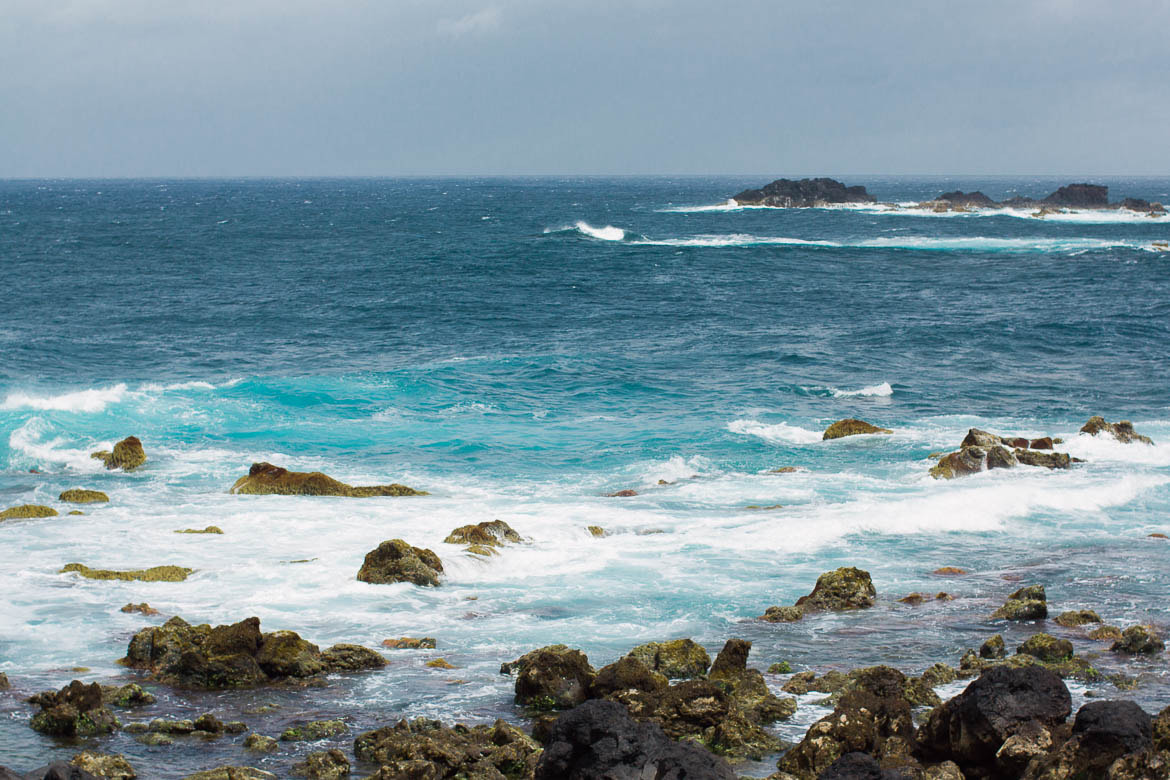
(427, 749)
(851, 427)
(127, 455)
(267, 479)
(397, 561)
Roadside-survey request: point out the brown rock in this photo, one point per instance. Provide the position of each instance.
(397, 561)
(127, 455)
(851, 427)
(266, 479)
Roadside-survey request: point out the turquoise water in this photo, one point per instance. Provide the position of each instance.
(519, 348)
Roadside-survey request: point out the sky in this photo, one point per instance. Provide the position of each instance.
(176, 88)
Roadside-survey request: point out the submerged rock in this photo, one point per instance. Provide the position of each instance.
(77, 710)
(266, 479)
(600, 741)
(424, 748)
(491, 534)
(127, 455)
(397, 561)
(211, 529)
(1122, 431)
(553, 677)
(258, 743)
(851, 427)
(1027, 603)
(128, 695)
(677, 659)
(153, 574)
(232, 773)
(805, 193)
(1074, 618)
(143, 608)
(410, 643)
(58, 770)
(1046, 460)
(323, 765)
(1139, 640)
(313, 731)
(79, 496)
(27, 511)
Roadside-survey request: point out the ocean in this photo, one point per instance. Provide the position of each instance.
(519, 348)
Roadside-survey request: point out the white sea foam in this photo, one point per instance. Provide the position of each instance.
(780, 432)
(729, 205)
(882, 391)
(929, 244)
(31, 448)
(607, 233)
(90, 401)
(911, 209)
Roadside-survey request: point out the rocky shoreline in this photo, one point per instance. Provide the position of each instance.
(665, 709)
(822, 192)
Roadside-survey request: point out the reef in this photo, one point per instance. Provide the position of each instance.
(803, 193)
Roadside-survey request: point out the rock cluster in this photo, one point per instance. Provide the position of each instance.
(1122, 431)
(265, 479)
(427, 749)
(237, 655)
(805, 193)
(983, 451)
(1070, 196)
(77, 710)
(843, 589)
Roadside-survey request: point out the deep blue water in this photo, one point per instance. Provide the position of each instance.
(521, 347)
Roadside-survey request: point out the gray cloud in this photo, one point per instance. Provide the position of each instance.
(359, 87)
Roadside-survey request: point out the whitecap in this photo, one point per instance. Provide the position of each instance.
(89, 401)
(881, 391)
(30, 448)
(780, 432)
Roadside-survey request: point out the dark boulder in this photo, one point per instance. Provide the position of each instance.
(58, 770)
(846, 588)
(626, 674)
(600, 741)
(972, 200)
(77, 710)
(1079, 196)
(1103, 732)
(1139, 640)
(1047, 460)
(805, 193)
(677, 659)
(1122, 431)
(971, 728)
(397, 561)
(265, 479)
(427, 749)
(1027, 603)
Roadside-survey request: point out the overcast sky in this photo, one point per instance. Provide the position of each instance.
(389, 87)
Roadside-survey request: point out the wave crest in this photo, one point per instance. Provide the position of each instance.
(94, 400)
(779, 433)
(880, 391)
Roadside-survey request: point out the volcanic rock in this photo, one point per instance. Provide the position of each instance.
(127, 455)
(427, 749)
(851, 427)
(266, 479)
(397, 561)
(805, 193)
(1122, 431)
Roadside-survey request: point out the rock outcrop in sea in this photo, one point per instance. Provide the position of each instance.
(265, 479)
(128, 455)
(840, 590)
(397, 561)
(1070, 196)
(805, 193)
(983, 451)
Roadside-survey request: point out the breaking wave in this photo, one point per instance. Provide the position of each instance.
(607, 233)
(780, 432)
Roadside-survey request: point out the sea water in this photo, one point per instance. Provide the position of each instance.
(519, 348)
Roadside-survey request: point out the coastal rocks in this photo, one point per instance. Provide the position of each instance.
(874, 717)
(1122, 431)
(553, 677)
(1047, 648)
(58, 770)
(323, 765)
(232, 773)
(313, 731)
(1046, 460)
(127, 455)
(266, 479)
(626, 674)
(851, 427)
(1102, 733)
(805, 193)
(746, 686)
(128, 695)
(1139, 640)
(77, 710)
(427, 749)
(599, 740)
(969, 200)
(27, 512)
(153, 574)
(397, 561)
(211, 529)
(79, 496)
(235, 655)
(493, 534)
(1027, 603)
(1075, 618)
(111, 767)
(678, 659)
(258, 743)
(142, 608)
(983, 451)
(993, 648)
(843, 589)
(1004, 702)
(1079, 196)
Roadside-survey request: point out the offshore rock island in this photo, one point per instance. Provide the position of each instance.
(822, 192)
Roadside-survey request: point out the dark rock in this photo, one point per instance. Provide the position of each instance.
(993, 648)
(963, 462)
(553, 677)
(232, 773)
(1122, 431)
(1079, 196)
(678, 659)
(1074, 618)
(266, 479)
(427, 749)
(845, 588)
(1047, 460)
(58, 770)
(1044, 443)
(128, 695)
(782, 614)
(627, 493)
(747, 687)
(4, 684)
(625, 674)
(851, 427)
(397, 561)
(351, 658)
(286, 654)
(75, 710)
(209, 723)
(600, 741)
(975, 199)
(323, 765)
(314, 730)
(1139, 640)
(110, 767)
(127, 455)
(971, 728)
(1103, 732)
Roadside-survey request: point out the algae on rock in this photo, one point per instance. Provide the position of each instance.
(127, 455)
(153, 574)
(27, 511)
(265, 479)
(79, 496)
(851, 427)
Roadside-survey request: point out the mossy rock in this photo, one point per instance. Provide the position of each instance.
(1122, 431)
(265, 479)
(128, 455)
(110, 767)
(351, 658)
(782, 614)
(993, 647)
(851, 427)
(1105, 632)
(232, 773)
(1047, 648)
(440, 663)
(314, 730)
(488, 534)
(397, 561)
(285, 654)
(153, 574)
(780, 667)
(1139, 640)
(481, 550)
(128, 695)
(552, 677)
(142, 608)
(842, 589)
(1027, 603)
(677, 659)
(79, 496)
(596, 530)
(258, 743)
(211, 529)
(410, 643)
(77, 710)
(1074, 618)
(27, 511)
